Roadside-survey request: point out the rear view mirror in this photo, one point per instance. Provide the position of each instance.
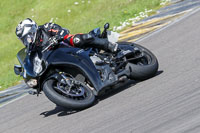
(18, 69)
(106, 26)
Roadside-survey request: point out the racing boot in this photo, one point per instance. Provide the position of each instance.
(104, 44)
(87, 40)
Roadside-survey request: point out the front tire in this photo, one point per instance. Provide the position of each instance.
(68, 101)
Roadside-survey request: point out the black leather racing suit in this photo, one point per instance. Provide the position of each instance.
(47, 31)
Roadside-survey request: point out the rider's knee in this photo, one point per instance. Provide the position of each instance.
(81, 40)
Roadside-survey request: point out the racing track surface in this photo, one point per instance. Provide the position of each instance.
(169, 102)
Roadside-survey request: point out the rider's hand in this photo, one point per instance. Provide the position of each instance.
(59, 38)
(53, 41)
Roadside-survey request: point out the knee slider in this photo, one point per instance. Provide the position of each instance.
(81, 40)
(77, 40)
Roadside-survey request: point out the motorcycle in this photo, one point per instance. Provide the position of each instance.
(73, 77)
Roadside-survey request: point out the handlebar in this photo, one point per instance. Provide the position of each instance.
(47, 48)
(52, 41)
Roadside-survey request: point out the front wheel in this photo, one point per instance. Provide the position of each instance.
(76, 96)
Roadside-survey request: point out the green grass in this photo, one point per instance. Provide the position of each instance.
(82, 18)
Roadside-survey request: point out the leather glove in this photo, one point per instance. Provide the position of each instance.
(59, 38)
(55, 40)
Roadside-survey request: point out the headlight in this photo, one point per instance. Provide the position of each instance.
(37, 65)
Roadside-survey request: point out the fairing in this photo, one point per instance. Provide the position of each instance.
(27, 63)
(65, 56)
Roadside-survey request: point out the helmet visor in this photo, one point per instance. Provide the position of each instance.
(30, 35)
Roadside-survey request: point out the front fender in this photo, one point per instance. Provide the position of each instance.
(78, 59)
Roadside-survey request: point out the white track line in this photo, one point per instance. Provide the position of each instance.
(7, 90)
(4, 104)
(13, 88)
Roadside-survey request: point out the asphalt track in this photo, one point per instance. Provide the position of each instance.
(169, 102)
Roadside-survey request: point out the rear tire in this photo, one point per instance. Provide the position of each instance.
(146, 70)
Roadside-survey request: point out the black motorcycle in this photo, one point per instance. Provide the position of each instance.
(73, 77)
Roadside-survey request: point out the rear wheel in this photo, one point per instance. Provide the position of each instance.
(143, 64)
(68, 93)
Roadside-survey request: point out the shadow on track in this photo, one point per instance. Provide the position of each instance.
(61, 111)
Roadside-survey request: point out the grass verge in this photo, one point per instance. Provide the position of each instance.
(79, 16)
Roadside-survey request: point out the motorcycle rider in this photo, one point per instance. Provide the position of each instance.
(41, 36)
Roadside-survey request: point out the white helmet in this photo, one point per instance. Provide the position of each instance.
(26, 31)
